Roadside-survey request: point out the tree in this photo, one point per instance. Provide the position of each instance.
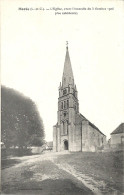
(21, 123)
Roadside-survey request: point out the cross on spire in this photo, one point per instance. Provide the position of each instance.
(66, 44)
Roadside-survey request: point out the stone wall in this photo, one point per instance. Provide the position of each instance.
(116, 138)
(77, 138)
(92, 139)
(54, 139)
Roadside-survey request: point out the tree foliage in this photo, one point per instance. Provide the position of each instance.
(21, 124)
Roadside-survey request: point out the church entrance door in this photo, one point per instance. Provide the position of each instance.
(65, 145)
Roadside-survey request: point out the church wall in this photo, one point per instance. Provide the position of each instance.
(81, 137)
(96, 139)
(85, 144)
(71, 136)
(92, 139)
(71, 125)
(71, 128)
(77, 137)
(58, 139)
(54, 139)
(63, 138)
(58, 117)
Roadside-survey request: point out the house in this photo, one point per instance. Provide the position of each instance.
(49, 145)
(117, 137)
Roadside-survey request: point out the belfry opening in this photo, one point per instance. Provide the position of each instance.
(65, 145)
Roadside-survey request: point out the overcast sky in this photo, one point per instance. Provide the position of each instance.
(33, 54)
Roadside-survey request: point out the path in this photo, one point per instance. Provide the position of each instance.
(40, 174)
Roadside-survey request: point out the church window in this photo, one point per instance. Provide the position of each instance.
(64, 104)
(64, 91)
(67, 127)
(64, 114)
(67, 103)
(67, 130)
(64, 127)
(61, 105)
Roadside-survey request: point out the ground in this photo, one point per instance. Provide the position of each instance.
(62, 174)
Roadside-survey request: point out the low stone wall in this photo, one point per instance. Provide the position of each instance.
(36, 150)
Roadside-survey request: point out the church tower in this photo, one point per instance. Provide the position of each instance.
(68, 107)
(73, 131)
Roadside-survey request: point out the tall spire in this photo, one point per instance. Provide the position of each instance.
(68, 77)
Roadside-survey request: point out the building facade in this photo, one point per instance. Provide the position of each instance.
(73, 131)
(117, 137)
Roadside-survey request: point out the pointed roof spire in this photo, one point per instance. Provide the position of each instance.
(68, 77)
(66, 45)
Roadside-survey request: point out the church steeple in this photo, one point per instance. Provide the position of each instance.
(68, 77)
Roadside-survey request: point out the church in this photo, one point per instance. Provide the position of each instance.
(73, 132)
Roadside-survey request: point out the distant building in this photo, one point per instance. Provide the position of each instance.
(73, 131)
(117, 137)
(49, 145)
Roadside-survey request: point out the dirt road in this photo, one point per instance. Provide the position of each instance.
(40, 174)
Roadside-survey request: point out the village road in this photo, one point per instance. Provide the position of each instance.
(39, 174)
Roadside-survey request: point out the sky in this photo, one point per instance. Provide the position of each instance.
(33, 47)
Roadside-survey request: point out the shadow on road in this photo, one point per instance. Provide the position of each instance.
(6, 163)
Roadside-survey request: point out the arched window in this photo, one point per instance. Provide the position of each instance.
(67, 127)
(61, 105)
(64, 91)
(67, 103)
(64, 128)
(64, 114)
(64, 104)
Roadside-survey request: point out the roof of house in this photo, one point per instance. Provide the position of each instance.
(119, 129)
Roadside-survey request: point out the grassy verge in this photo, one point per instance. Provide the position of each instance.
(102, 166)
(6, 153)
(6, 163)
(15, 152)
